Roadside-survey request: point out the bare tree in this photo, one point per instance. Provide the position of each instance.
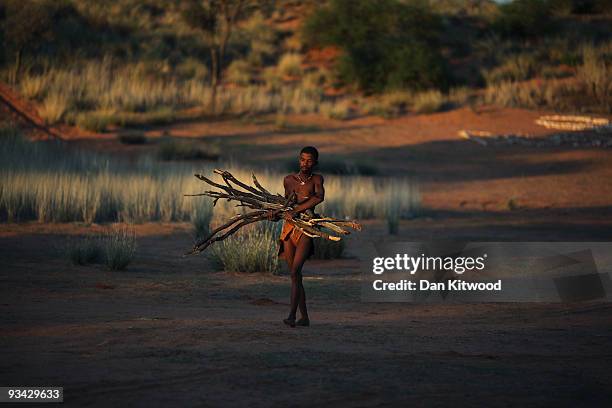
(217, 19)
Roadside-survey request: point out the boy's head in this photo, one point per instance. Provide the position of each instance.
(309, 157)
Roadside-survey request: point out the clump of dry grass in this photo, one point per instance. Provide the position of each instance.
(54, 107)
(428, 102)
(43, 182)
(596, 76)
(115, 248)
(515, 68)
(290, 64)
(119, 245)
(340, 110)
(85, 250)
(250, 250)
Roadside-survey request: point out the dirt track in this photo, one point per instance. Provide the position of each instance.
(171, 330)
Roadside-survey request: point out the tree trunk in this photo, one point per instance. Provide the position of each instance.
(15, 75)
(214, 79)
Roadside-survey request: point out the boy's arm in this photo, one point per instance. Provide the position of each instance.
(286, 185)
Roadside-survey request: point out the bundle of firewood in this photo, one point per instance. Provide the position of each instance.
(265, 206)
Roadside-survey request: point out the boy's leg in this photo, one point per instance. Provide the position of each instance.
(298, 294)
(289, 254)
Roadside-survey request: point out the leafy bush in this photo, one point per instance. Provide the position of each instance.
(386, 44)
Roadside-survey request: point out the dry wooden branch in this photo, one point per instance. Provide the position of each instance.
(265, 206)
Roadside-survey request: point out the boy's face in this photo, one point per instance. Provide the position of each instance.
(307, 162)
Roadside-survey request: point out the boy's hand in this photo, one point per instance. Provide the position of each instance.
(272, 215)
(287, 215)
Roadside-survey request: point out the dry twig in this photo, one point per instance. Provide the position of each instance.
(265, 206)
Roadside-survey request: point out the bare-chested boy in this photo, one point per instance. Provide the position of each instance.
(295, 246)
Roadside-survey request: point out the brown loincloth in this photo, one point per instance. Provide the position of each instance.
(294, 234)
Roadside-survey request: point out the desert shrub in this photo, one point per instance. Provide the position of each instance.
(326, 249)
(239, 72)
(85, 250)
(191, 68)
(261, 37)
(201, 217)
(515, 68)
(96, 121)
(315, 79)
(596, 76)
(250, 250)
(119, 248)
(290, 64)
(133, 137)
(54, 107)
(170, 149)
(389, 104)
(339, 110)
(386, 44)
(272, 79)
(524, 18)
(429, 102)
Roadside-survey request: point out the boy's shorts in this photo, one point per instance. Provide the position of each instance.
(289, 232)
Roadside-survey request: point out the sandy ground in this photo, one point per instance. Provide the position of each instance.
(171, 330)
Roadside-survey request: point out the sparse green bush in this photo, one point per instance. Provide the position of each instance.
(170, 149)
(191, 68)
(290, 64)
(272, 79)
(119, 248)
(85, 250)
(596, 76)
(239, 72)
(429, 102)
(390, 104)
(201, 217)
(326, 249)
(340, 110)
(250, 250)
(96, 121)
(516, 68)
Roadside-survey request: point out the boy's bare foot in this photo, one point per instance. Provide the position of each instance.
(289, 322)
(303, 322)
